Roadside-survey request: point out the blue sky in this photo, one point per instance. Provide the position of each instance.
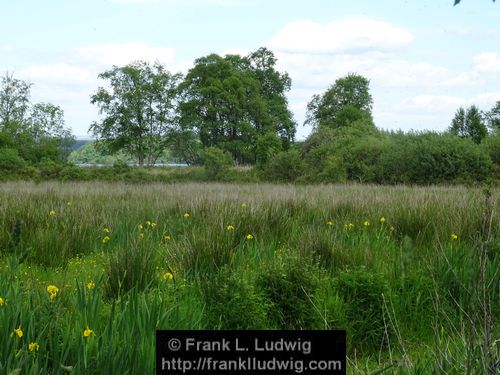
(424, 58)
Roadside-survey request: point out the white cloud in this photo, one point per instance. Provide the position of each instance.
(122, 54)
(353, 34)
(487, 62)
(440, 103)
(56, 73)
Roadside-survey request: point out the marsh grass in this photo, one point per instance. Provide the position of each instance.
(413, 300)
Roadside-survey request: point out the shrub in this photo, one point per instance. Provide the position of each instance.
(286, 166)
(10, 161)
(217, 162)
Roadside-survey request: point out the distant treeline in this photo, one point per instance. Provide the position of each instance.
(232, 111)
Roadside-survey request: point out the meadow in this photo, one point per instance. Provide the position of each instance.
(89, 271)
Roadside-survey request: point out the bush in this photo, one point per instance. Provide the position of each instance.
(429, 158)
(286, 166)
(10, 161)
(72, 173)
(217, 162)
(120, 167)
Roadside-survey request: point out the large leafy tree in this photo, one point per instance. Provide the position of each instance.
(139, 109)
(229, 101)
(348, 100)
(469, 124)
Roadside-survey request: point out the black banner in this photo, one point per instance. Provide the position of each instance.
(251, 352)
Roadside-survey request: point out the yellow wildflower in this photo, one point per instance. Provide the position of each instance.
(105, 230)
(249, 237)
(2, 301)
(186, 216)
(141, 235)
(167, 237)
(33, 346)
(230, 227)
(153, 225)
(366, 223)
(168, 276)
(348, 226)
(105, 239)
(140, 227)
(52, 213)
(69, 204)
(87, 332)
(18, 332)
(382, 220)
(52, 290)
(243, 205)
(329, 222)
(454, 237)
(148, 223)
(90, 285)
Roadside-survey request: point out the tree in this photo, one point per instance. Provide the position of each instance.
(346, 101)
(231, 100)
(493, 118)
(468, 124)
(36, 131)
(14, 102)
(139, 108)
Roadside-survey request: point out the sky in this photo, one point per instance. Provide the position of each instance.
(424, 58)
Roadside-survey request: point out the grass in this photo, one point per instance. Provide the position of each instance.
(413, 300)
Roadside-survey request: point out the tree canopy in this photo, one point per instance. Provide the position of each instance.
(231, 100)
(36, 131)
(139, 108)
(346, 101)
(469, 124)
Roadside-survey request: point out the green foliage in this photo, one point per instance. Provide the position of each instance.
(10, 161)
(363, 294)
(231, 100)
(469, 124)
(346, 101)
(493, 118)
(36, 131)
(290, 286)
(216, 162)
(130, 267)
(267, 146)
(140, 110)
(285, 166)
(492, 146)
(232, 302)
(432, 158)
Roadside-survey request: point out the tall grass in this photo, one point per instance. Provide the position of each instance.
(378, 261)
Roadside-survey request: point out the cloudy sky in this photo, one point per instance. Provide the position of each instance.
(424, 58)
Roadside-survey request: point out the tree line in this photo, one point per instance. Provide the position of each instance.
(233, 110)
